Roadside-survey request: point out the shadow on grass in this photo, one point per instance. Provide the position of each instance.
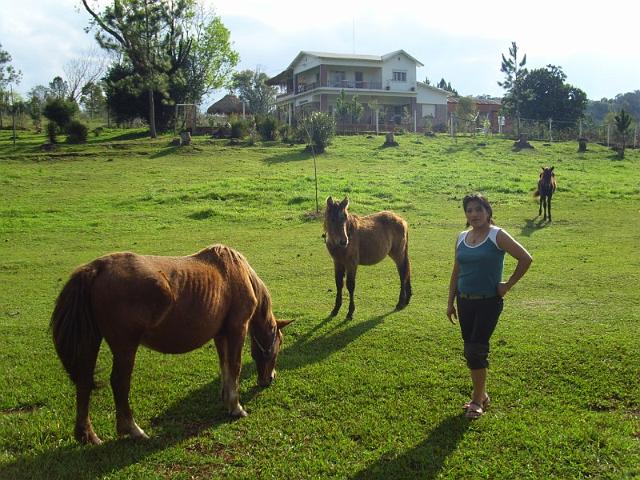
(128, 136)
(307, 350)
(294, 156)
(165, 152)
(425, 460)
(200, 410)
(531, 226)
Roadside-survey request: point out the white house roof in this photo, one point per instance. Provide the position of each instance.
(398, 52)
(435, 89)
(351, 56)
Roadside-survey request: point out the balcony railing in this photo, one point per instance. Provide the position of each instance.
(348, 84)
(340, 84)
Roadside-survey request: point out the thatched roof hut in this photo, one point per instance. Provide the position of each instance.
(227, 105)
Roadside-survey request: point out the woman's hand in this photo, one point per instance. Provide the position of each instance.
(503, 288)
(452, 314)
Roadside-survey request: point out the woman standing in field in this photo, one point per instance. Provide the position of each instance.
(476, 285)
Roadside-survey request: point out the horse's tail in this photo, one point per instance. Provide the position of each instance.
(76, 335)
(537, 192)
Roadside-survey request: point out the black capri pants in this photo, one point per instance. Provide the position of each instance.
(478, 319)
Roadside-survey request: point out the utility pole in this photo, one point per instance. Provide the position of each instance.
(13, 114)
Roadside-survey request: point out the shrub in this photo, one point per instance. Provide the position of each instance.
(320, 127)
(239, 128)
(267, 127)
(284, 131)
(440, 128)
(76, 132)
(60, 111)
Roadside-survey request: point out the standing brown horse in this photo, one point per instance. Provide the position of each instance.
(171, 305)
(353, 241)
(546, 188)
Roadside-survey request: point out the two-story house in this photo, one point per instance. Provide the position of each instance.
(385, 85)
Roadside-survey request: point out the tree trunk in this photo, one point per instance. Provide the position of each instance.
(152, 115)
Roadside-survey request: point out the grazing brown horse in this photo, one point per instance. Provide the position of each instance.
(546, 188)
(353, 241)
(171, 305)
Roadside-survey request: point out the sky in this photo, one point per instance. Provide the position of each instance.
(596, 44)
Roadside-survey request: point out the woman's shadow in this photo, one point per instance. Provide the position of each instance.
(425, 460)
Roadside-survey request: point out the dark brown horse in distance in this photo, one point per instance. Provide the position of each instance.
(171, 305)
(546, 188)
(353, 240)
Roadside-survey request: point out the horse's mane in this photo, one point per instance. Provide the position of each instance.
(226, 259)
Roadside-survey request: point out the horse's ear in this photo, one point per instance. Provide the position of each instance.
(329, 201)
(344, 203)
(552, 168)
(283, 323)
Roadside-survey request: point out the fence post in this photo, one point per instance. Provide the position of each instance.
(608, 134)
(580, 128)
(635, 137)
(550, 136)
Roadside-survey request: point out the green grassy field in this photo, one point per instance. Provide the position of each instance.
(377, 397)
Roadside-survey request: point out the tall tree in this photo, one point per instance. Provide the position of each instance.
(150, 34)
(211, 60)
(176, 51)
(444, 85)
(88, 68)
(9, 76)
(549, 97)
(251, 87)
(37, 98)
(59, 88)
(515, 72)
(92, 99)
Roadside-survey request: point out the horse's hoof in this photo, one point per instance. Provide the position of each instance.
(239, 412)
(334, 312)
(139, 436)
(349, 316)
(90, 438)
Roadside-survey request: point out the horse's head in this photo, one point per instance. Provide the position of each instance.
(265, 352)
(547, 174)
(335, 222)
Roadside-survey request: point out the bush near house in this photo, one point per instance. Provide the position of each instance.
(320, 129)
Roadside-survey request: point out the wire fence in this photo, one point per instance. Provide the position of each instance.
(549, 130)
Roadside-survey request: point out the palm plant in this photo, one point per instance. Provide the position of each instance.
(623, 122)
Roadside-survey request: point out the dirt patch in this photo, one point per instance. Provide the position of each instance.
(22, 409)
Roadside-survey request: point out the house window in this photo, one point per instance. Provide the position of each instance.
(339, 76)
(399, 76)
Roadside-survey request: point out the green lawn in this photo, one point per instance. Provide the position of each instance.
(375, 397)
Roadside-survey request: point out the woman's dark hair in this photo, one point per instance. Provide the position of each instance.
(476, 197)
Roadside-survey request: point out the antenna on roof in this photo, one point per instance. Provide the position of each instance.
(354, 35)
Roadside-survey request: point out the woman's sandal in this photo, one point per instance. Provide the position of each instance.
(474, 411)
(485, 403)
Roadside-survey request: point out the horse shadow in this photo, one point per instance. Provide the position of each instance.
(308, 349)
(531, 225)
(425, 460)
(187, 418)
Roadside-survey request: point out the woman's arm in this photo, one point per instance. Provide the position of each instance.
(507, 243)
(453, 287)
